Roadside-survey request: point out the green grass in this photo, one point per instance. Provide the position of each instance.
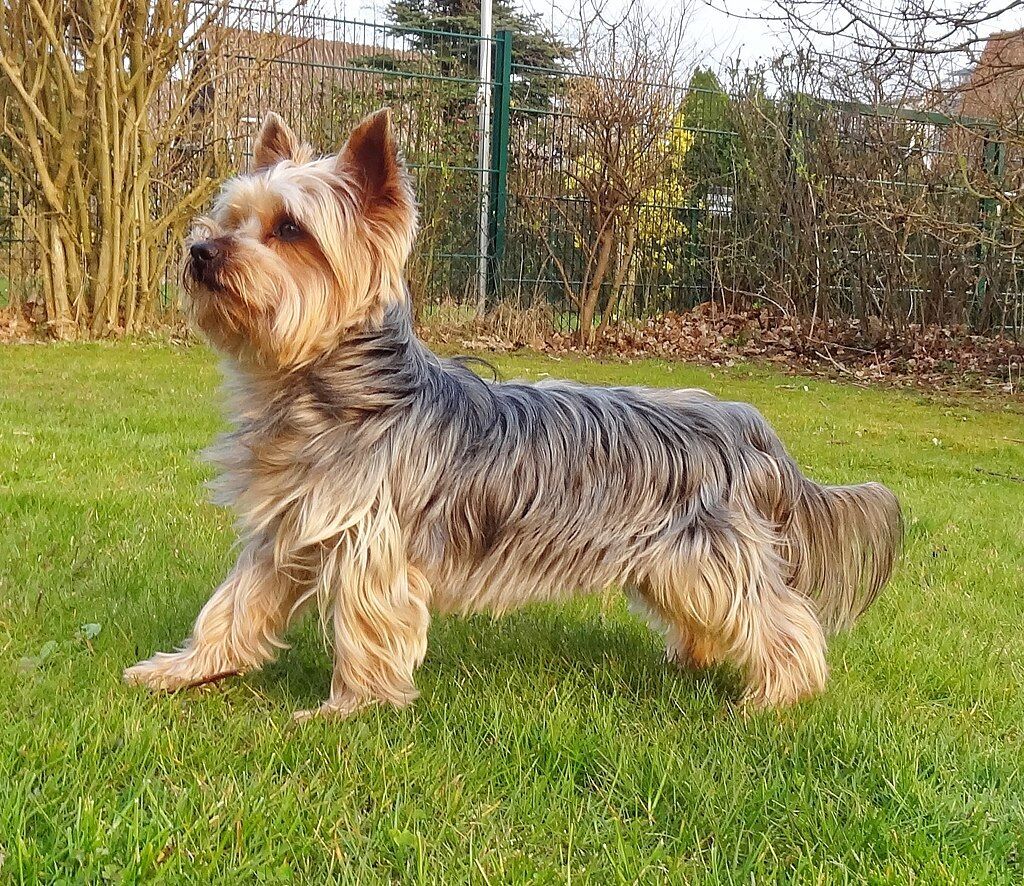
(552, 746)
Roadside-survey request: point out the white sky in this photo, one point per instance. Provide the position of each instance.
(720, 30)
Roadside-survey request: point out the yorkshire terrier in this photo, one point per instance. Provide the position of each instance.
(384, 483)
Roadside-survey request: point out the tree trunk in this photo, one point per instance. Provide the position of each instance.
(625, 260)
(65, 280)
(588, 307)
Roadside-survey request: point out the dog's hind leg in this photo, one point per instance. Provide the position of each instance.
(727, 580)
(687, 644)
(238, 630)
(781, 647)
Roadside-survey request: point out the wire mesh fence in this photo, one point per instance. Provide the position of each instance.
(606, 214)
(18, 256)
(827, 209)
(607, 200)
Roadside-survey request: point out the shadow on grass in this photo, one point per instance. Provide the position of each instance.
(527, 652)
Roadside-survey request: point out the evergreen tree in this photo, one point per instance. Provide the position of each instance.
(533, 46)
(706, 114)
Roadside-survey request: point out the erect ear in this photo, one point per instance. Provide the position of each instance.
(371, 154)
(276, 142)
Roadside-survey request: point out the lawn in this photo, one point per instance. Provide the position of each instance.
(552, 746)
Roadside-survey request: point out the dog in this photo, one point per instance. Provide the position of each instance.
(383, 483)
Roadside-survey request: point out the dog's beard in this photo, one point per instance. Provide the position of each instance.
(276, 318)
(231, 321)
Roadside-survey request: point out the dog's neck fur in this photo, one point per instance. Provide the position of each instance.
(359, 388)
(371, 370)
(333, 421)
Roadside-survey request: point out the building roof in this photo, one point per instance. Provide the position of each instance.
(994, 89)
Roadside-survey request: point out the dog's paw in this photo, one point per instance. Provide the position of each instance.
(161, 672)
(334, 709)
(171, 671)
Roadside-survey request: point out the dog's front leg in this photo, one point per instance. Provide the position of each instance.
(377, 606)
(238, 629)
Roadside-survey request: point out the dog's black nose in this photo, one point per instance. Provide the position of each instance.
(204, 252)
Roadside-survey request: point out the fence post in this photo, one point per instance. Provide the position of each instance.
(993, 161)
(500, 109)
(789, 188)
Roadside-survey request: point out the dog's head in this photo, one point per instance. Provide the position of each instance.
(300, 251)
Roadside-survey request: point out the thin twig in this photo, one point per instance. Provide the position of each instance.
(1013, 477)
(205, 681)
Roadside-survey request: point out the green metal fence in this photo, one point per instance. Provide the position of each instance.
(590, 223)
(822, 207)
(18, 255)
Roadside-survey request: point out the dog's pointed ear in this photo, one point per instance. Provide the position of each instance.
(371, 153)
(276, 142)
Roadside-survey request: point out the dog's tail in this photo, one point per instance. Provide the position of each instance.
(841, 543)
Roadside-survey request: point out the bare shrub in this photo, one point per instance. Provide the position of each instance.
(113, 139)
(600, 154)
(883, 179)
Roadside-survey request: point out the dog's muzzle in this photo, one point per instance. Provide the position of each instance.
(205, 259)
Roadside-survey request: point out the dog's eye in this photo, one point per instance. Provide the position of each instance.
(287, 230)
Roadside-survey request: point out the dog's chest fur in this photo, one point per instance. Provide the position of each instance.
(289, 464)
